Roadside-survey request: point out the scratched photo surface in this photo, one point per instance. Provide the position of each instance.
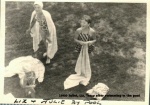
(118, 59)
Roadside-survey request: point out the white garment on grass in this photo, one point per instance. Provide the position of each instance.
(82, 69)
(9, 95)
(24, 64)
(98, 91)
(35, 33)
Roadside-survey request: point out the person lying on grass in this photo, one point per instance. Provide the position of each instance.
(29, 69)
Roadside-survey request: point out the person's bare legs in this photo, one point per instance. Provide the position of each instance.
(48, 59)
(46, 41)
(46, 44)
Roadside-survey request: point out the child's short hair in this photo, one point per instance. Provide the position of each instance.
(86, 18)
(28, 83)
(28, 79)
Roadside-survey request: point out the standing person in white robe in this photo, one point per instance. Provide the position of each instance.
(85, 37)
(42, 28)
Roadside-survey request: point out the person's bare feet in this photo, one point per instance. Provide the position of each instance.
(44, 55)
(48, 61)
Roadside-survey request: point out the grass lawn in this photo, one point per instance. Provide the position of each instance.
(105, 69)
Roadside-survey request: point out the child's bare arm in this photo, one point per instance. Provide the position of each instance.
(76, 36)
(94, 38)
(31, 25)
(41, 71)
(23, 82)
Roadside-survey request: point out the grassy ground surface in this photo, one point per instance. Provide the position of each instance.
(110, 71)
(106, 68)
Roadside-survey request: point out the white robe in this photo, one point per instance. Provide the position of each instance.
(53, 47)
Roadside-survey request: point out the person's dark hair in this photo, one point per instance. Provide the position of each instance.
(87, 18)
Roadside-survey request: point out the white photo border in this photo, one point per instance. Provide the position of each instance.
(68, 102)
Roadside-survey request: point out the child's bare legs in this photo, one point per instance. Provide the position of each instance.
(48, 59)
(46, 44)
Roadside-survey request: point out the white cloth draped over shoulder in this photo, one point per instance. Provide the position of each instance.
(24, 64)
(52, 47)
(82, 69)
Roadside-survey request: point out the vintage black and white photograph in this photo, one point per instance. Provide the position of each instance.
(75, 50)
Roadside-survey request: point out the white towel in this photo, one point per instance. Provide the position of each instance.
(83, 70)
(98, 91)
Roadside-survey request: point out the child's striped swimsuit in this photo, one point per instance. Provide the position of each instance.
(84, 37)
(42, 23)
